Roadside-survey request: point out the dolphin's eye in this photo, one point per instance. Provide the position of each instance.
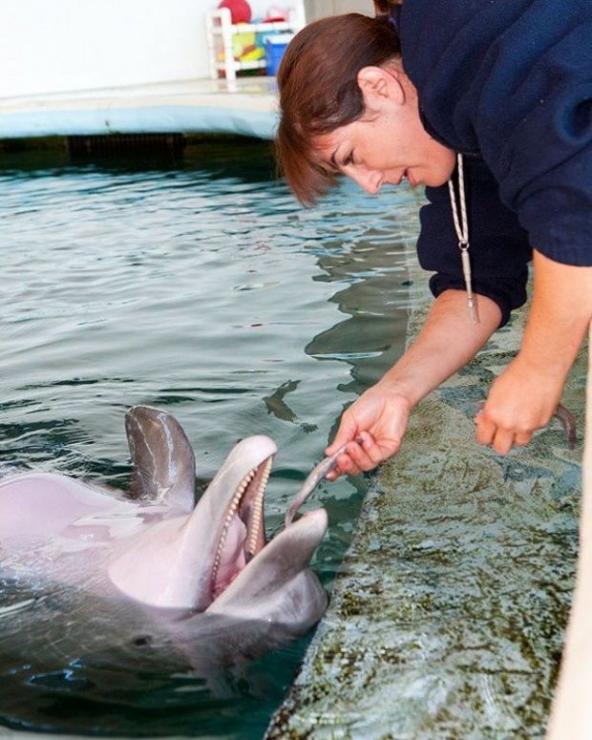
(142, 641)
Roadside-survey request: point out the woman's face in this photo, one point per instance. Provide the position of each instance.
(389, 142)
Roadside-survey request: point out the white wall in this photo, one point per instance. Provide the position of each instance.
(321, 8)
(65, 45)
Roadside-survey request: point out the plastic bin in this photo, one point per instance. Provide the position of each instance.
(275, 46)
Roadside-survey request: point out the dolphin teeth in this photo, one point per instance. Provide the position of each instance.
(258, 508)
(257, 512)
(245, 482)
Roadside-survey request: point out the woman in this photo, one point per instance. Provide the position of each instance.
(495, 97)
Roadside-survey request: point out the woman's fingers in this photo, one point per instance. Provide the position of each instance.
(344, 466)
(363, 454)
(502, 440)
(485, 429)
(354, 460)
(359, 453)
(372, 450)
(522, 438)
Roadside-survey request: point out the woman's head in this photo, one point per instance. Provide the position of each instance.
(348, 107)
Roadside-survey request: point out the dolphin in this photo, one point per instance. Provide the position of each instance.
(198, 576)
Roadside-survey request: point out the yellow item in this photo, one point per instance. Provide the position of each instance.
(253, 55)
(241, 43)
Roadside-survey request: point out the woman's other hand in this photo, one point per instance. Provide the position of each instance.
(526, 394)
(521, 400)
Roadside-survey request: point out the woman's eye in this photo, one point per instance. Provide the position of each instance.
(349, 159)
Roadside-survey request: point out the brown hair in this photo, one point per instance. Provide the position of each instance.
(319, 91)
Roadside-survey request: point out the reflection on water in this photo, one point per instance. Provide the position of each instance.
(197, 285)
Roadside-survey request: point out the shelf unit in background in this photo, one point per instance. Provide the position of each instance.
(220, 31)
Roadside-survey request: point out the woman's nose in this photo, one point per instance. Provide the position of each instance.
(368, 180)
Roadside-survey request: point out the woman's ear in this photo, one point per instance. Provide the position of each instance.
(379, 86)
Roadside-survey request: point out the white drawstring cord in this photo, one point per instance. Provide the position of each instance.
(462, 233)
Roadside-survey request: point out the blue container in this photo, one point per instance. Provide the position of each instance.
(275, 46)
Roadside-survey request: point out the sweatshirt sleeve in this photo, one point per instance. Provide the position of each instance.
(499, 250)
(539, 145)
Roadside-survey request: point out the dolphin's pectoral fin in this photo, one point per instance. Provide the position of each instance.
(163, 459)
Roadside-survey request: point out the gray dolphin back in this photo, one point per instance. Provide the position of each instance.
(163, 459)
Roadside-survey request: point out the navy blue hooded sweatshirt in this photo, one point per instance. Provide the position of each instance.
(509, 84)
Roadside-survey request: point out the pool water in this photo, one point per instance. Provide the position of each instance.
(198, 285)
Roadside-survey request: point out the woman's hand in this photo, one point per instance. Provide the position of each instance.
(526, 394)
(373, 428)
(521, 400)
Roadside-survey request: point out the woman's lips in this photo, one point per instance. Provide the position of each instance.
(407, 175)
(410, 178)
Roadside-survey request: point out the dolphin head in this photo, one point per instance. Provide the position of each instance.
(250, 579)
(216, 554)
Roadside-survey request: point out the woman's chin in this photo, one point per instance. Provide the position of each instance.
(435, 179)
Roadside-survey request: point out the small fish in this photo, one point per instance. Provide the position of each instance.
(568, 422)
(315, 476)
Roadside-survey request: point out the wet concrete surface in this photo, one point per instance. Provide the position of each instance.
(448, 616)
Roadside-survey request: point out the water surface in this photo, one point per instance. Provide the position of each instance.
(197, 285)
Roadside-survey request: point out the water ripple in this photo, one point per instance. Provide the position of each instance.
(204, 288)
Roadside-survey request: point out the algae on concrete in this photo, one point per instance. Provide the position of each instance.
(447, 618)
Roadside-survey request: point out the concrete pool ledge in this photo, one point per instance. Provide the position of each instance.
(188, 106)
(448, 616)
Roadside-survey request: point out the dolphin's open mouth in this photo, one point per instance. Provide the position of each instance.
(243, 529)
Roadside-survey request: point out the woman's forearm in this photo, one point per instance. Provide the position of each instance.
(374, 425)
(446, 342)
(559, 317)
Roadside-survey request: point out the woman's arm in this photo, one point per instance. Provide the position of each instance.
(446, 342)
(526, 394)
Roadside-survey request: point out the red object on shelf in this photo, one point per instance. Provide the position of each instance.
(240, 10)
(275, 14)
